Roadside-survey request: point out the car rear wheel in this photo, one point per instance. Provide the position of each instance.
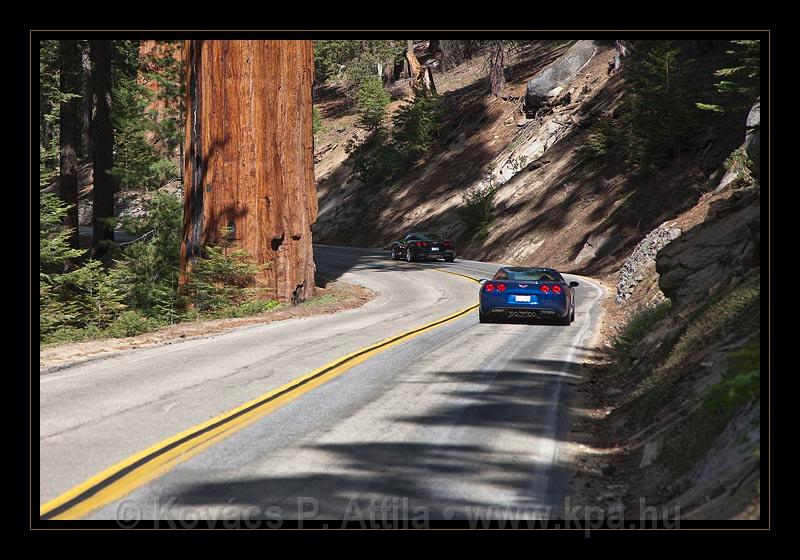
(450, 259)
(483, 317)
(565, 321)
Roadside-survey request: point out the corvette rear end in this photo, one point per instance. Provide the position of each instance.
(549, 298)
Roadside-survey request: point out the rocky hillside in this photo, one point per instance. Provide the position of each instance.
(551, 206)
(672, 401)
(669, 406)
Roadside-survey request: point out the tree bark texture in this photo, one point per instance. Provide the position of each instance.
(249, 163)
(497, 80)
(69, 83)
(87, 100)
(102, 142)
(421, 76)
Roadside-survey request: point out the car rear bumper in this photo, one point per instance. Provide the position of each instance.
(527, 312)
(435, 254)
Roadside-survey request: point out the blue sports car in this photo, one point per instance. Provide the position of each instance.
(527, 293)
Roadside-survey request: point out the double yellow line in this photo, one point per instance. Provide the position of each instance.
(120, 479)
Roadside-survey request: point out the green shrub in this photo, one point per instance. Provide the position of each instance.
(149, 268)
(416, 130)
(371, 101)
(72, 295)
(605, 138)
(247, 308)
(741, 166)
(417, 126)
(316, 119)
(131, 323)
(477, 212)
(640, 324)
(378, 160)
(660, 116)
(222, 278)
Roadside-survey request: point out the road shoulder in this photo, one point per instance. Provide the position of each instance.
(337, 296)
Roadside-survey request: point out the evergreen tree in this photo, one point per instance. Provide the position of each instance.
(68, 133)
(741, 83)
(371, 101)
(101, 53)
(661, 116)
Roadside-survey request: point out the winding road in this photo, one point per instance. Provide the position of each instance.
(454, 416)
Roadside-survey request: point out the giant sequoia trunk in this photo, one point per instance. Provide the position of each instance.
(102, 143)
(249, 157)
(68, 134)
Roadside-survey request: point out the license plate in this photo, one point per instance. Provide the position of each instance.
(434, 248)
(523, 299)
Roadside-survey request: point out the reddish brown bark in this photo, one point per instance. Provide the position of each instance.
(249, 157)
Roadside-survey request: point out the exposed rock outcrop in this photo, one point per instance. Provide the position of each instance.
(643, 257)
(550, 81)
(752, 142)
(715, 254)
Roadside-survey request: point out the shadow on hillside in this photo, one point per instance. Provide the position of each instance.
(620, 204)
(353, 219)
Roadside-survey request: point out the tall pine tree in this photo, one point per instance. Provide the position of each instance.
(102, 143)
(68, 134)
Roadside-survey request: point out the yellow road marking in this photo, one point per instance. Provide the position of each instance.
(138, 469)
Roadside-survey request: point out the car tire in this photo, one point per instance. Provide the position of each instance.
(483, 317)
(409, 256)
(394, 254)
(564, 321)
(450, 259)
(572, 318)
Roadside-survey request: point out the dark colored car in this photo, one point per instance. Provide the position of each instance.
(527, 293)
(424, 246)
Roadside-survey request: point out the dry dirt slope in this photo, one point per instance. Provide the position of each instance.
(555, 210)
(658, 417)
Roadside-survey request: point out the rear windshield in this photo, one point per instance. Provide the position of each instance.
(528, 275)
(435, 237)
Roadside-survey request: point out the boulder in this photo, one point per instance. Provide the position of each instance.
(752, 142)
(552, 79)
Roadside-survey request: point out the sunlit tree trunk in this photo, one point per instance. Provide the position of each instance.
(68, 133)
(497, 80)
(249, 157)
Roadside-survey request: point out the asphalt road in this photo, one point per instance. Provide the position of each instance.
(463, 416)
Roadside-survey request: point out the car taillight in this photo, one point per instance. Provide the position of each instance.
(489, 287)
(556, 289)
(501, 287)
(422, 244)
(448, 244)
(545, 289)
